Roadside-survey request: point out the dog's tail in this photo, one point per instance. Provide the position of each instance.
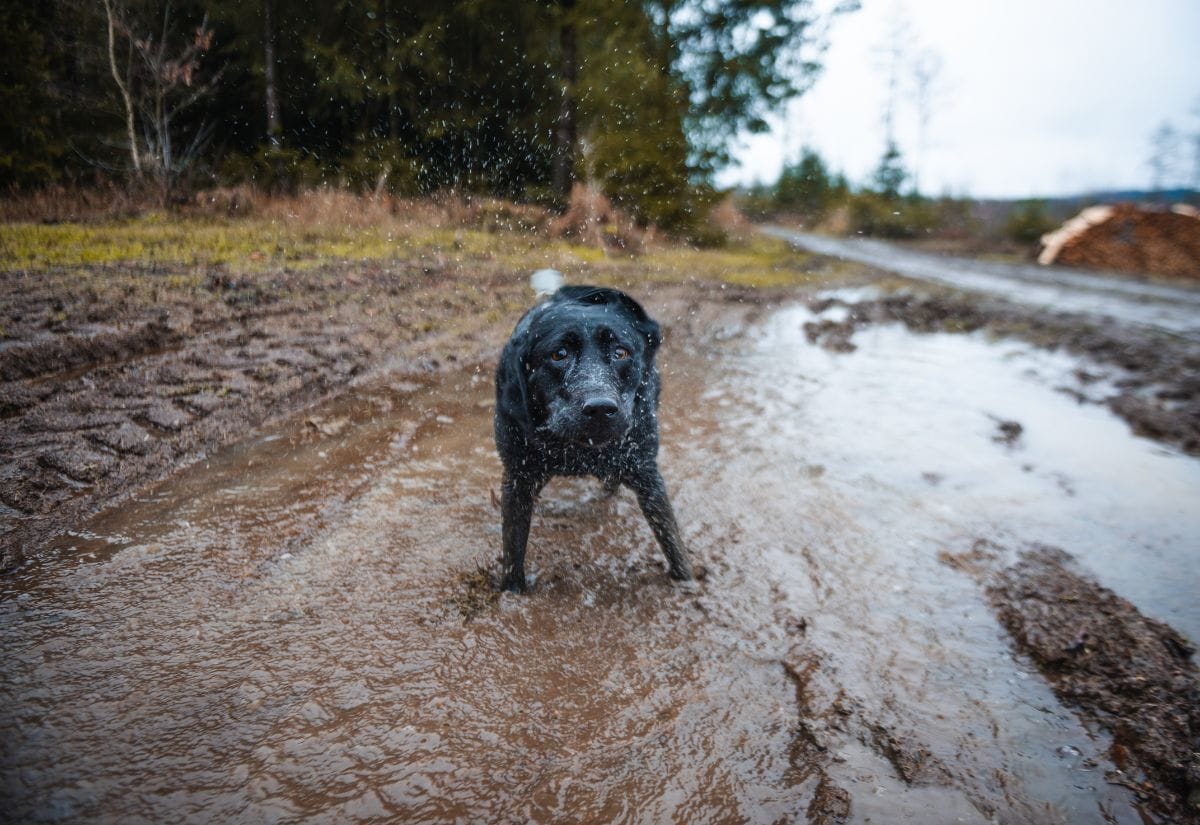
(545, 282)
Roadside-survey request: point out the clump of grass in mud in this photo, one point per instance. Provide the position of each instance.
(475, 593)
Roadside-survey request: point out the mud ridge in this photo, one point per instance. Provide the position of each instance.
(830, 803)
(820, 717)
(1130, 674)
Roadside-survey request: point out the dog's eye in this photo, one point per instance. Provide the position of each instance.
(559, 354)
(620, 354)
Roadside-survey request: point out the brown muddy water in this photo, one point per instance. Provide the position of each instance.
(299, 628)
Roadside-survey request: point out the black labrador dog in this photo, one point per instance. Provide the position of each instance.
(577, 394)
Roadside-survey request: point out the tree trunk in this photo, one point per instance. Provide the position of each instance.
(565, 133)
(274, 126)
(134, 154)
(393, 115)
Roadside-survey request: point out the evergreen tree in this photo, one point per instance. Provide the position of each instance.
(806, 186)
(889, 175)
(475, 95)
(737, 62)
(632, 117)
(29, 149)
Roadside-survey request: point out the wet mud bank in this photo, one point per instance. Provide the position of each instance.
(1133, 676)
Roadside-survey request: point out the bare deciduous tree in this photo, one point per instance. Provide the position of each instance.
(926, 91)
(1164, 151)
(123, 86)
(274, 124)
(893, 53)
(161, 81)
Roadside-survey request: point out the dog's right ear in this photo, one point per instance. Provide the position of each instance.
(512, 375)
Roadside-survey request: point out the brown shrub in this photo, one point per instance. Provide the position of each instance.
(61, 204)
(592, 220)
(729, 219)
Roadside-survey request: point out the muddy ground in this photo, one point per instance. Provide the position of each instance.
(108, 389)
(114, 379)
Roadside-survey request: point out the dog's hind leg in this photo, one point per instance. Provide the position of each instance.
(652, 496)
(516, 507)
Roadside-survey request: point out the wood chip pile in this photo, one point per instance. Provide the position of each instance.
(1128, 238)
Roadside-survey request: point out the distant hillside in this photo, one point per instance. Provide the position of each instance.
(992, 213)
(1064, 206)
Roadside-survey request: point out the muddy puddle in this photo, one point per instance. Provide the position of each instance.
(302, 627)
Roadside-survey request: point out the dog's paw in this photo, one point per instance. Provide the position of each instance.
(514, 586)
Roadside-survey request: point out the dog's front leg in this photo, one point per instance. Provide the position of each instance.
(652, 496)
(516, 507)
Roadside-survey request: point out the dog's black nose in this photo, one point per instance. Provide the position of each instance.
(598, 409)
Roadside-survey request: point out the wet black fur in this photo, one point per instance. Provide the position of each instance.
(577, 394)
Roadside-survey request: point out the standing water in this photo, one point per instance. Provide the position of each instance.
(300, 627)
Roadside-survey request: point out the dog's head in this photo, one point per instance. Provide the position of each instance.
(581, 360)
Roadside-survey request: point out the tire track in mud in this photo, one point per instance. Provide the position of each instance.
(110, 381)
(832, 722)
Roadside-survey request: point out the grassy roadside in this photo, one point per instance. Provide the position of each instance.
(334, 230)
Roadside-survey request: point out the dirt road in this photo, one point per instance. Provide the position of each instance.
(1171, 309)
(302, 626)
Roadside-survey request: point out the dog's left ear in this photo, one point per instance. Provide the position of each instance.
(652, 332)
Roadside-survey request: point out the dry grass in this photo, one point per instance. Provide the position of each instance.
(318, 207)
(331, 205)
(60, 204)
(247, 230)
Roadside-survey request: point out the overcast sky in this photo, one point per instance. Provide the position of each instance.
(1038, 97)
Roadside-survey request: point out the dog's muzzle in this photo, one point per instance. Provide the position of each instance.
(597, 420)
